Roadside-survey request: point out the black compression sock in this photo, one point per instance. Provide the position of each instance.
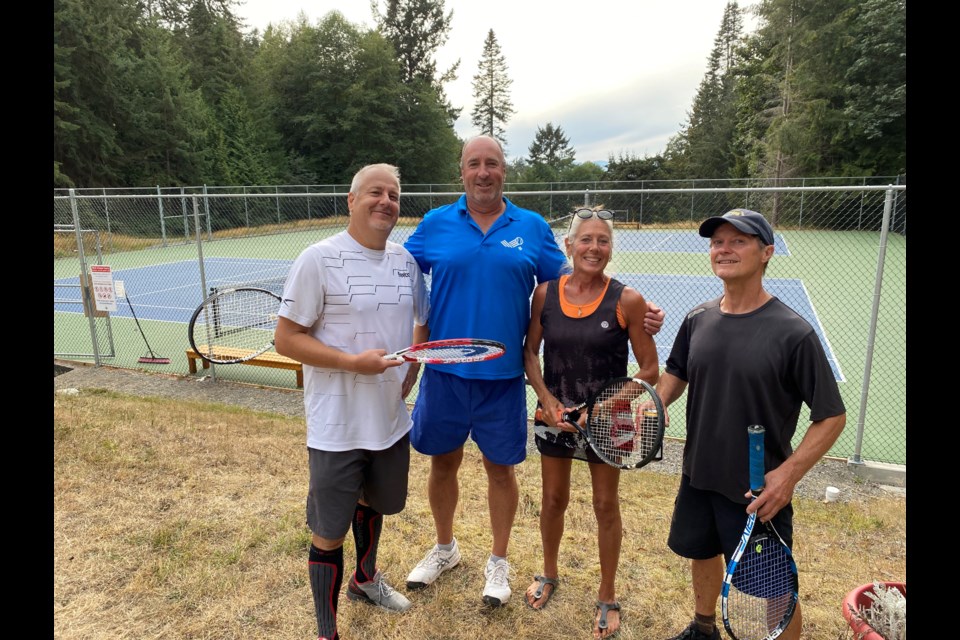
(326, 578)
(367, 524)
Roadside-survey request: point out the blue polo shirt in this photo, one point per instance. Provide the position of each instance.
(480, 285)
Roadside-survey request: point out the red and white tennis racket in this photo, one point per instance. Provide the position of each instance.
(451, 351)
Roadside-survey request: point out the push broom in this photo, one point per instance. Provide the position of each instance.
(151, 357)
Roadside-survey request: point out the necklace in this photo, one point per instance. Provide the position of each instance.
(579, 311)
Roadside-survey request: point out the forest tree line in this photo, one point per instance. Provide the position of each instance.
(181, 92)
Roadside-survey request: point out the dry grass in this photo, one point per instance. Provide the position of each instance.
(182, 520)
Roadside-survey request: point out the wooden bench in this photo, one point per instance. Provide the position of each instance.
(267, 359)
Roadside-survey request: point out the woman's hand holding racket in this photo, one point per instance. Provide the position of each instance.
(619, 430)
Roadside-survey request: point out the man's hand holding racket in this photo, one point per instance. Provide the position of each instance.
(371, 362)
(777, 493)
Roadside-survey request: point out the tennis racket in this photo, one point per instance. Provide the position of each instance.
(234, 325)
(760, 588)
(625, 423)
(451, 351)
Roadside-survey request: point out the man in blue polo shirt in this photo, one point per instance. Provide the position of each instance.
(485, 256)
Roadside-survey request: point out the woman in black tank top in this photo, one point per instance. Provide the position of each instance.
(586, 322)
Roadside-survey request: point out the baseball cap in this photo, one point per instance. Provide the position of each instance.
(745, 220)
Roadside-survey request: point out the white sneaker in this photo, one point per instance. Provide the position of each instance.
(433, 564)
(497, 590)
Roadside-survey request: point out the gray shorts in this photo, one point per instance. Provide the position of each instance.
(339, 479)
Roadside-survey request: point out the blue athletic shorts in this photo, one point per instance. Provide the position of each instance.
(492, 412)
(706, 523)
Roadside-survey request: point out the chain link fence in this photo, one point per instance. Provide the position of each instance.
(840, 261)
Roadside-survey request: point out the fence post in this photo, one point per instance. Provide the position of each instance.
(106, 214)
(641, 203)
(203, 275)
(88, 301)
(186, 220)
(246, 209)
(693, 185)
(860, 215)
(206, 213)
(871, 337)
(803, 183)
(893, 214)
(163, 226)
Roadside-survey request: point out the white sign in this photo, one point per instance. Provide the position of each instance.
(118, 287)
(104, 296)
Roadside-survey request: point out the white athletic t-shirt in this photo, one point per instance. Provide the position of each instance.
(354, 299)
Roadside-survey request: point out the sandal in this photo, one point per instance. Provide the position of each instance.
(538, 594)
(603, 608)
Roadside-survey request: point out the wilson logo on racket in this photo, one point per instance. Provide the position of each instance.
(622, 429)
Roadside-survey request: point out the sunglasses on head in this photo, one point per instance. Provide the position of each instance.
(586, 214)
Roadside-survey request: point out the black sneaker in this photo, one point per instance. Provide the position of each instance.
(692, 633)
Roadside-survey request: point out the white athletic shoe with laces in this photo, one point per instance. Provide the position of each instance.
(433, 564)
(497, 590)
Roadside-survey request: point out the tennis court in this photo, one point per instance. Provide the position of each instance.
(826, 276)
(171, 291)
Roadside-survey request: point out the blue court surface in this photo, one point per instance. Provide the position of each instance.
(171, 292)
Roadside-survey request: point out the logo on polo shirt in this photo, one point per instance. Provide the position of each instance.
(513, 244)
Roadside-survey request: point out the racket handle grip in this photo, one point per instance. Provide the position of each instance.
(755, 434)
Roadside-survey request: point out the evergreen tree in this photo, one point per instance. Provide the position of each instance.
(491, 91)
(417, 29)
(805, 46)
(876, 88)
(550, 155)
(630, 168)
(165, 140)
(551, 147)
(90, 51)
(706, 143)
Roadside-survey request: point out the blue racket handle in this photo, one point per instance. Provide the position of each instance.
(755, 434)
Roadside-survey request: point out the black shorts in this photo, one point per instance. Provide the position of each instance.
(707, 523)
(339, 479)
(553, 449)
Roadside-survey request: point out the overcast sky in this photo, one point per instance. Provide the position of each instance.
(618, 76)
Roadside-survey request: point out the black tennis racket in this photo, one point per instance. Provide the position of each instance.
(450, 351)
(234, 325)
(625, 423)
(760, 589)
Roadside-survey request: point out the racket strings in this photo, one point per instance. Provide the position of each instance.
(763, 589)
(621, 427)
(456, 354)
(237, 320)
